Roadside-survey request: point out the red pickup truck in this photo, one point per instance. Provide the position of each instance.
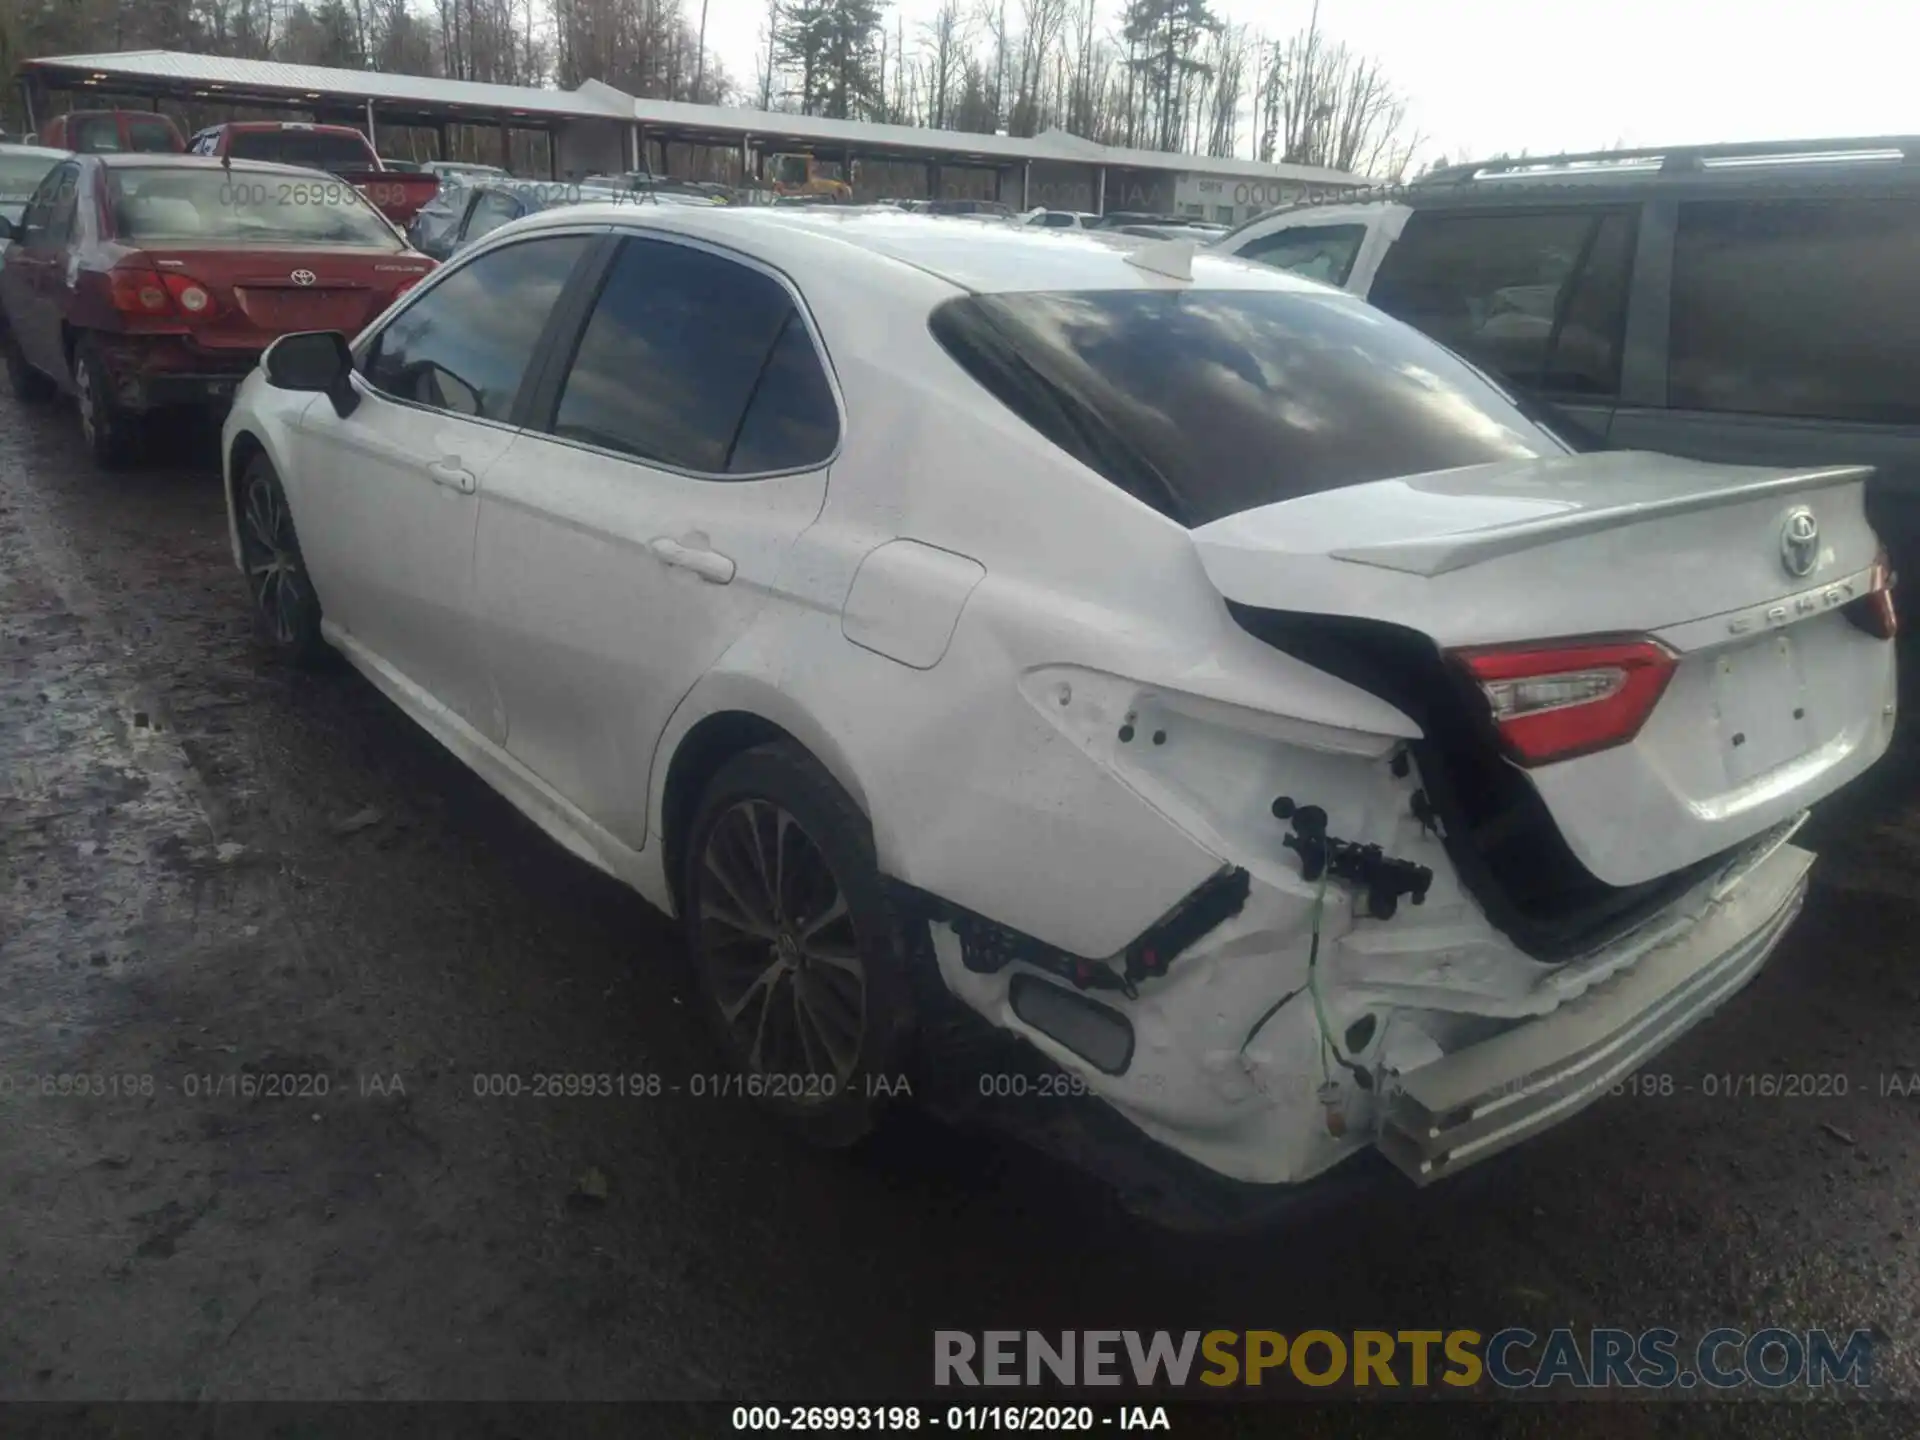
(338, 149)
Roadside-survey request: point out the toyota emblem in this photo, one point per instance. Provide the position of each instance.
(307, 277)
(1800, 542)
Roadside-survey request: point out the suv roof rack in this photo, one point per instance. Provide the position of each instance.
(1685, 158)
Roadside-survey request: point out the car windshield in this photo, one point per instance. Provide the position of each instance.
(1204, 403)
(242, 206)
(316, 148)
(20, 175)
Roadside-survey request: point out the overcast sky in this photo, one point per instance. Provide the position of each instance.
(1482, 76)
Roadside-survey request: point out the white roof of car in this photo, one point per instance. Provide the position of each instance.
(45, 152)
(988, 259)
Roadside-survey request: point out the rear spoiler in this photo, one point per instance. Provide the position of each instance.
(1438, 554)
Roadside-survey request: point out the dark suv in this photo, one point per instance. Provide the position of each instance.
(1747, 303)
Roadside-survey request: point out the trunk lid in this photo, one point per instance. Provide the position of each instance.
(260, 293)
(1775, 697)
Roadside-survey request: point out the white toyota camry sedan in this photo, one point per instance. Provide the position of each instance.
(1171, 663)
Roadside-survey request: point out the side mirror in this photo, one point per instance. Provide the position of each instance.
(318, 361)
(9, 232)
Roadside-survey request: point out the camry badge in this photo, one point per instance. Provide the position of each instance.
(307, 277)
(1800, 542)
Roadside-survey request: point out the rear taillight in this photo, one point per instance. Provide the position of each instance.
(189, 294)
(139, 292)
(407, 284)
(1873, 612)
(1553, 702)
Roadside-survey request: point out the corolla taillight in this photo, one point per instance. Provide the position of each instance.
(139, 292)
(189, 294)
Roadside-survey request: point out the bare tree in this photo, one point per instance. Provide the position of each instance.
(1326, 106)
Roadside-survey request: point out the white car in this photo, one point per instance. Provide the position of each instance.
(1177, 664)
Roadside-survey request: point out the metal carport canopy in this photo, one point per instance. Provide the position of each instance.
(427, 101)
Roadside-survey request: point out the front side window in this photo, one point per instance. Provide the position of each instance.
(695, 361)
(1538, 297)
(1205, 403)
(1320, 252)
(1806, 308)
(240, 206)
(464, 346)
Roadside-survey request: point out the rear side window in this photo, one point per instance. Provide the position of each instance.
(152, 136)
(96, 134)
(1540, 297)
(1205, 403)
(315, 149)
(491, 210)
(1798, 307)
(1319, 252)
(695, 361)
(464, 345)
(48, 218)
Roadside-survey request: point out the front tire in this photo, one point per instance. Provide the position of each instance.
(108, 429)
(798, 954)
(286, 611)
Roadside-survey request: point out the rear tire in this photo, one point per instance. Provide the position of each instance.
(26, 383)
(798, 955)
(110, 431)
(286, 611)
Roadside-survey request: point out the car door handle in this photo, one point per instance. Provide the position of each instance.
(709, 565)
(452, 474)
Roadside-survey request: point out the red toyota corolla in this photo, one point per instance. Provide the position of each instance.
(149, 283)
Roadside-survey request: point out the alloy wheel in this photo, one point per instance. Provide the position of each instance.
(777, 947)
(273, 559)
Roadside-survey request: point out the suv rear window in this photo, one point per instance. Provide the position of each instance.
(1204, 403)
(314, 149)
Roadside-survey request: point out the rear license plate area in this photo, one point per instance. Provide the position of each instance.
(289, 310)
(1761, 709)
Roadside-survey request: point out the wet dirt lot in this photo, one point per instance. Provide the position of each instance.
(216, 875)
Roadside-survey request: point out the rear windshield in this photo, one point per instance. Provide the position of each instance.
(241, 206)
(1204, 403)
(316, 149)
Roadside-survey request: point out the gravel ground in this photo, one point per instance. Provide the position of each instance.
(215, 874)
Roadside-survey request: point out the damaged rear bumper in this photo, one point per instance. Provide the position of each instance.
(1476, 1102)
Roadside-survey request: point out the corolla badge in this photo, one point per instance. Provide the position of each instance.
(307, 277)
(1800, 542)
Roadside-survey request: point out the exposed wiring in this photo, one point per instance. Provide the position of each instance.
(1327, 1043)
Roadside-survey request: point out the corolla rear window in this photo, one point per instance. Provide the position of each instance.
(1204, 403)
(241, 207)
